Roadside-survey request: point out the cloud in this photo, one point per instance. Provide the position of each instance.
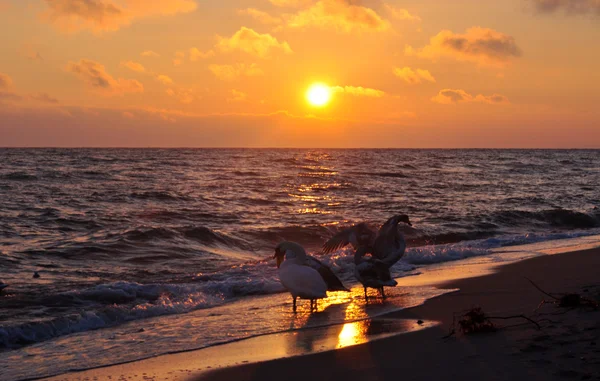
(260, 16)
(413, 77)
(450, 96)
(183, 95)
(358, 91)
(5, 81)
(9, 96)
(237, 96)
(401, 14)
(139, 68)
(341, 15)
(196, 54)
(36, 56)
(568, 6)
(135, 66)
(480, 45)
(94, 75)
(291, 3)
(44, 98)
(31, 51)
(108, 15)
(164, 79)
(231, 72)
(179, 57)
(251, 42)
(149, 53)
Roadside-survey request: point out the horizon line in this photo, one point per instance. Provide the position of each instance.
(289, 148)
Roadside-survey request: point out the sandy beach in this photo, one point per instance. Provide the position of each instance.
(566, 346)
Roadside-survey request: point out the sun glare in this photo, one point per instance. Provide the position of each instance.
(318, 94)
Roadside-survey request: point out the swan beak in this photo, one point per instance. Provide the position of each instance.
(278, 257)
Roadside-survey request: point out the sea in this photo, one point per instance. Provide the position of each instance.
(142, 252)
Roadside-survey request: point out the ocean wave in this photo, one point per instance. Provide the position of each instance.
(390, 174)
(309, 235)
(564, 218)
(451, 230)
(198, 234)
(424, 255)
(187, 214)
(95, 175)
(159, 195)
(247, 174)
(18, 176)
(56, 174)
(210, 237)
(108, 305)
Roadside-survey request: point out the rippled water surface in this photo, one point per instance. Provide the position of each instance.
(120, 235)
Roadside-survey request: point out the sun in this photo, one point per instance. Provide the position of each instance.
(318, 94)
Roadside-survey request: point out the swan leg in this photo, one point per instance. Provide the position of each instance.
(366, 296)
(294, 307)
(382, 293)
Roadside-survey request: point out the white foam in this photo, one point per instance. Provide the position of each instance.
(424, 255)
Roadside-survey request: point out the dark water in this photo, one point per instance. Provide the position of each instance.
(125, 234)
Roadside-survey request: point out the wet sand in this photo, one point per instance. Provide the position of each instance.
(566, 347)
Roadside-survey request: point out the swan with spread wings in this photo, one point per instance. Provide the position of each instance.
(386, 247)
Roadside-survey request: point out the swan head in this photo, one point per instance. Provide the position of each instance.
(279, 256)
(395, 220)
(288, 250)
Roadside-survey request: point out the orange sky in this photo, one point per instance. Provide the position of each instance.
(200, 73)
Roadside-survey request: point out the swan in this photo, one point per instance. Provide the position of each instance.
(372, 272)
(387, 244)
(390, 244)
(304, 276)
(386, 247)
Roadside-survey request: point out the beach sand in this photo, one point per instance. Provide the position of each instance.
(566, 347)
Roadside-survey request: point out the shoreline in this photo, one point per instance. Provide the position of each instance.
(566, 346)
(440, 309)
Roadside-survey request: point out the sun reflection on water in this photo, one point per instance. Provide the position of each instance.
(351, 334)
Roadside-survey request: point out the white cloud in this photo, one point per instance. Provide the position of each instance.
(413, 77)
(358, 91)
(251, 42)
(453, 96)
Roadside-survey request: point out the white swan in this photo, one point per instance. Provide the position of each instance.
(386, 247)
(304, 276)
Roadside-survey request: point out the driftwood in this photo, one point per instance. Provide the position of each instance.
(572, 300)
(476, 320)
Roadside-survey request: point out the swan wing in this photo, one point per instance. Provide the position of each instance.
(357, 235)
(333, 282)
